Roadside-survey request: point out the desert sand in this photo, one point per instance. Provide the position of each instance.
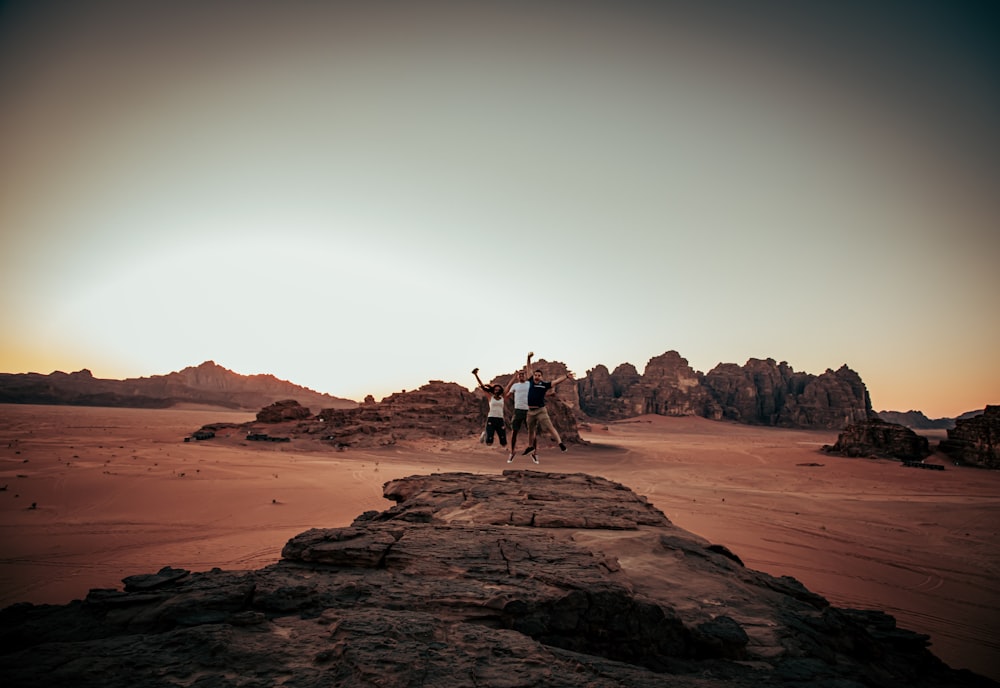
(92, 495)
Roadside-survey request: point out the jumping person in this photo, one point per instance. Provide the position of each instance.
(518, 388)
(494, 419)
(538, 415)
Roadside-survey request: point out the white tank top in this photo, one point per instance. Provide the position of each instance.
(496, 407)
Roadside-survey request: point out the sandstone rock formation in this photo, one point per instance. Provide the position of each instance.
(761, 392)
(875, 438)
(764, 392)
(207, 383)
(437, 410)
(975, 440)
(520, 579)
(673, 388)
(668, 387)
(281, 411)
(599, 396)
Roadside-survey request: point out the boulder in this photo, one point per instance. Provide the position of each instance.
(976, 440)
(875, 438)
(282, 411)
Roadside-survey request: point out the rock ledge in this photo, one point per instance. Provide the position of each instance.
(520, 579)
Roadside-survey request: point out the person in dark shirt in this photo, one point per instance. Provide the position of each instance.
(538, 416)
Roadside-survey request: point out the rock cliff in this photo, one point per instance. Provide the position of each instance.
(668, 387)
(761, 392)
(975, 440)
(520, 579)
(208, 383)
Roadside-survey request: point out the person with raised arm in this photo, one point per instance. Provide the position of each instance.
(495, 423)
(538, 415)
(518, 388)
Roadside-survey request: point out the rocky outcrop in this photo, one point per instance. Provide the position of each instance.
(764, 392)
(875, 438)
(830, 400)
(761, 392)
(520, 579)
(283, 411)
(612, 396)
(437, 410)
(207, 383)
(443, 410)
(667, 387)
(670, 387)
(753, 393)
(975, 440)
(598, 396)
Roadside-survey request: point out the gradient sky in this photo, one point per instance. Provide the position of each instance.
(362, 197)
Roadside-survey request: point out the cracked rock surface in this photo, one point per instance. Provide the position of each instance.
(520, 579)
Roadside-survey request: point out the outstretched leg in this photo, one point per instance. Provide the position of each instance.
(533, 417)
(547, 425)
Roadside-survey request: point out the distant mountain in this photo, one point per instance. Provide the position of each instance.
(208, 383)
(916, 420)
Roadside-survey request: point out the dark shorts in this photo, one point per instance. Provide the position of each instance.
(520, 418)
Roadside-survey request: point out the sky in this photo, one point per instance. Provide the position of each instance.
(363, 197)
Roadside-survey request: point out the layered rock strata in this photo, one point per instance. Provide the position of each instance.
(520, 579)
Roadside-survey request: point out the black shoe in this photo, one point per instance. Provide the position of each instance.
(562, 447)
(528, 450)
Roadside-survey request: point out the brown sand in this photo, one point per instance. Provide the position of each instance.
(117, 492)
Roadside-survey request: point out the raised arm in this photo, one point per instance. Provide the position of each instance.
(475, 371)
(562, 378)
(513, 380)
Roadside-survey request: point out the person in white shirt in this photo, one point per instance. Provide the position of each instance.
(518, 387)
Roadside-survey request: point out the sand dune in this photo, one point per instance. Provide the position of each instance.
(117, 492)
